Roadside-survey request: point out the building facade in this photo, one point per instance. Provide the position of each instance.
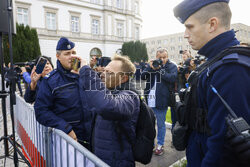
(176, 42)
(98, 27)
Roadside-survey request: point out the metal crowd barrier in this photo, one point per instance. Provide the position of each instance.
(49, 147)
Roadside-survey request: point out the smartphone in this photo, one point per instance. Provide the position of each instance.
(75, 64)
(40, 65)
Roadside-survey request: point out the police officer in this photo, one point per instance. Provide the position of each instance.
(58, 103)
(208, 31)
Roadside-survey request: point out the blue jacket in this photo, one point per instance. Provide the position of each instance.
(30, 95)
(59, 104)
(165, 79)
(26, 77)
(123, 108)
(232, 82)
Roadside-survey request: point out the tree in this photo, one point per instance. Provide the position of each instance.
(25, 45)
(136, 51)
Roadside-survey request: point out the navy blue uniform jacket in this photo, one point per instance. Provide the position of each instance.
(60, 105)
(165, 79)
(123, 108)
(232, 81)
(30, 95)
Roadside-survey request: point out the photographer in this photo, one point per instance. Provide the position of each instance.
(17, 75)
(98, 64)
(161, 75)
(184, 68)
(35, 80)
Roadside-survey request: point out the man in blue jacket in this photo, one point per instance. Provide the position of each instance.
(208, 31)
(114, 100)
(160, 81)
(59, 103)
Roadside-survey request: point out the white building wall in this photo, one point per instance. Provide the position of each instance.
(107, 41)
(48, 48)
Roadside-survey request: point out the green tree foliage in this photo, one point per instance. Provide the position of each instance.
(136, 51)
(25, 45)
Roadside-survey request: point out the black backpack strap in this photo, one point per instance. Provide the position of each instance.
(239, 55)
(232, 58)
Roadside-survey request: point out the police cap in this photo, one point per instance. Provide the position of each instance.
(188, 7)
(65, 44)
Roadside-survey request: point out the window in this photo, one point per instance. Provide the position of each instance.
(137, 33)
(152, 42)
(180, 47)
(172, 48)
(75, 24)
(51, 21)
(95, 1)
(180, 39)
(136, 8)
(95, 26)
(119, 4)
(119, 29)
(22, 16)
(152, 51)
(172, 40)
(165, 41)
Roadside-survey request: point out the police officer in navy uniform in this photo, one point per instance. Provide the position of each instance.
(207, 25)
(59, 103)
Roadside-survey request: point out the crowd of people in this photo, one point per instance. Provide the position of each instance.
(89, 102)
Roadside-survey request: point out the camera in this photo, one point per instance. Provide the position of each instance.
(157, 63)
(198, 59)
(181, 52)
(184, 69)
(103, 61)
(28, 66)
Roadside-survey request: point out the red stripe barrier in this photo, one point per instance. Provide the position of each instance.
(33, 155)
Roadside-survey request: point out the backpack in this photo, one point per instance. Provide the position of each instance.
(145, 134)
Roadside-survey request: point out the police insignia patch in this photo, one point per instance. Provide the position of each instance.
(68, 46)
(47, 76)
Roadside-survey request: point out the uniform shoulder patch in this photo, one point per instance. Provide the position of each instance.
(50, 74)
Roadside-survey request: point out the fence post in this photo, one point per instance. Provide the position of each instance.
(48, 146)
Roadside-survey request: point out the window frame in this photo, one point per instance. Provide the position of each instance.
(121, 35)
(23, 5)
(99, 25)
(51, 11)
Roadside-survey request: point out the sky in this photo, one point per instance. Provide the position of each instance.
(158, 17)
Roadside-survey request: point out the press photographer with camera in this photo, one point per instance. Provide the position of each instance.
(37, 76)
(161, 75)
(98, 63)
(184, 68)
(17, 74)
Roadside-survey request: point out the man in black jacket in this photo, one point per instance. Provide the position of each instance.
(161, 75)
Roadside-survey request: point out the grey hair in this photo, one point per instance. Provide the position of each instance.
(161, 50)
(58, 52)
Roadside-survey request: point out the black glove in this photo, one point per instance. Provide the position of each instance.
(241, 145)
